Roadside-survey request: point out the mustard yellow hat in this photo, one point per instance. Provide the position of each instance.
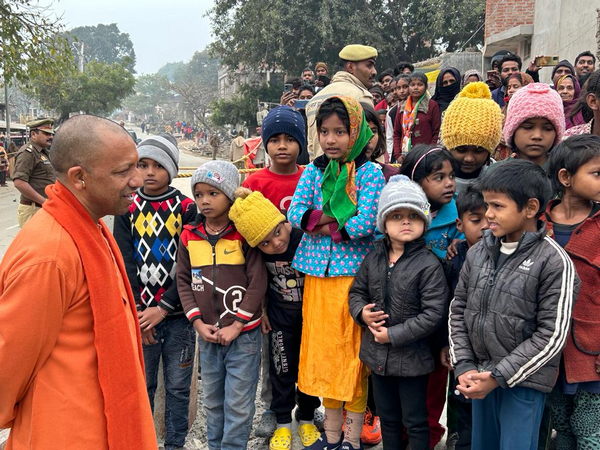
(254, 216)
(356, 52)
(473, 118)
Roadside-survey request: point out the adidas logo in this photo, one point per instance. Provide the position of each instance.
(526, 265)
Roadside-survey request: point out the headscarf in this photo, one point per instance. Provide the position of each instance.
(339, 177)
(470, 73)
(577, 119)
(445, 94)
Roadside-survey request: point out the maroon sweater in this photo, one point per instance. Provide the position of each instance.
(426, 129)
(583, 339)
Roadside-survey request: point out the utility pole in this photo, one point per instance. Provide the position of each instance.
(7, 113)
(79, 54)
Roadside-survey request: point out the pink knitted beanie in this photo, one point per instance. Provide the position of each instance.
(534, 100)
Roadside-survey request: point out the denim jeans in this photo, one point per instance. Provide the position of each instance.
(176, 344)
(229, 381)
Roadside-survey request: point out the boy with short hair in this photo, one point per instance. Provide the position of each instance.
(266, 228)
(283, 135)
(511, 311)
(471, 222)
(148, 236)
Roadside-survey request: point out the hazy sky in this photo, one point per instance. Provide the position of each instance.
(161, 31)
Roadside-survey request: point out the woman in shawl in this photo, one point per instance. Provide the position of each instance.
(569, 90)
(470, 76)
(335, 204)
(447, 86)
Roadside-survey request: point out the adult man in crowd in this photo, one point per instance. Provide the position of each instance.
(385, 78)
(509, 64)
(403, 67)
(33, 171)
(308, 76)
(584, 64)
(72, 365)
(321, 69)
(356, 76)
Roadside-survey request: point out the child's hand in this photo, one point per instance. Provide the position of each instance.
(381, 335)
(228, 334)
(150, 317)
(372, 318)
(445, 358)
(452, 250)
(265, 324)
(206, 332)
(148, 337)
(478, 385)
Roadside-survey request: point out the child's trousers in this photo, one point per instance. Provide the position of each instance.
(284, 347)
(229, 380)
(508, 419)
(576, 419)
(176, 343)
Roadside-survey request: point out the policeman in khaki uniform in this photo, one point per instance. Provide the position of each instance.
(33, 171)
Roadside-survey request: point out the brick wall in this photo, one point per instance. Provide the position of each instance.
(501, 15)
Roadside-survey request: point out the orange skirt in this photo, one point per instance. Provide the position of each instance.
(329, 363)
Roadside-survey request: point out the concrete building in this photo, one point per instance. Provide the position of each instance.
(229, 83)
(540, 27)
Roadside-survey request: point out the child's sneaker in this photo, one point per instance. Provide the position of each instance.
(308, 434)
(348, 446)
(267, 425)
(281, 440)
(371, 431)
(322, 444)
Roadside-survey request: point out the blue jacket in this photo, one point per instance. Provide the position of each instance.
(319, 255)
(442, 230)
(498, 96)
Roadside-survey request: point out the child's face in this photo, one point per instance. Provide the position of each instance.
(404, 225)
(277, 241)
(155, 176)
(334, 137)
(440, 185)
(211, 202)
(585, 183)
(372, 145)
(504, 217)
(472, 223)
(283, 149)
(534, 138)
(470, 157)
(401, 89)
(416, 88)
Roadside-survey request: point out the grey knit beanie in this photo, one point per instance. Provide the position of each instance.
(221, 174)
(161, 150)
(401, 192)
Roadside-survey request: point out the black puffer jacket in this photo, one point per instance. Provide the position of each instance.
(513, 320)
(415, 295)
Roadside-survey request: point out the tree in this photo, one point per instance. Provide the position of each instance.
(150, 91)
(280, 34)
(99, 90)
(170, 69)
(106, 43)
(242, 108)
(31, 41)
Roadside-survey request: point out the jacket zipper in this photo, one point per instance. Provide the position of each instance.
(214, 286)
(488, 289)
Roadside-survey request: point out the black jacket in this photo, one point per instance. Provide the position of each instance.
(415, 295)
(513, 320)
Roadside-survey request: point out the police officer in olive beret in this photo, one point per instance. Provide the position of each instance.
(33, 171)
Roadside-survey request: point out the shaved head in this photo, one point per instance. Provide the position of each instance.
(80, 142)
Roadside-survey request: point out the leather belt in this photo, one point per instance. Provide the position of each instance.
(30, 202)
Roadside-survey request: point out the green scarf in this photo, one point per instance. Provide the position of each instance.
(339, 179)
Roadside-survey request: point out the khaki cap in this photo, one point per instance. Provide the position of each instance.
(356, 52)
(42, 125)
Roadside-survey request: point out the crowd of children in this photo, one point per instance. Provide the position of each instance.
(360, 284)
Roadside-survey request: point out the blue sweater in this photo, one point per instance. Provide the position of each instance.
(442, 230)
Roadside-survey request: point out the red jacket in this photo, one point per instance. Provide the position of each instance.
(583, 342)
(426, 129)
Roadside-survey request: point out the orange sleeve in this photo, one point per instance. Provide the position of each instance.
(33, 301)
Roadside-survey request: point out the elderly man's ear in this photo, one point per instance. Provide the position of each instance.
(76, 177)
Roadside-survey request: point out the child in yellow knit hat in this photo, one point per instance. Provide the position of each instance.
(471, 130)
(263, 226)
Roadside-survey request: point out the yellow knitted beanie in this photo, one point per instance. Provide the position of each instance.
(254, 216)
(473, 118)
